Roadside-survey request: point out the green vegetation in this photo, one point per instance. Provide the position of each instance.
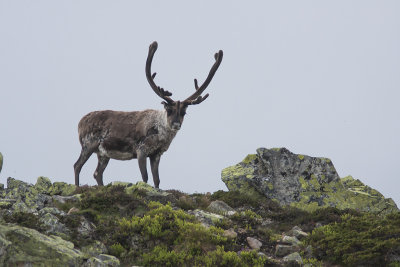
(24, 219)
(364, 239)
(142, 226)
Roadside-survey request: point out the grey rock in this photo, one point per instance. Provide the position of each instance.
(102, 260)
(276, 173)
(27, 197)
(86, 228)
(221, 207)
(206, 218)
(51, 210)
(21, 246)
(291, 240)
(299, 234)
(95, 249)
(230, 234)
(283, 250)
(53, 224)
(293, 259)
(302, 181)
(254, 243)
(43, 185)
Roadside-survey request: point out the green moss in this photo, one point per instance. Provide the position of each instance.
(301, 157)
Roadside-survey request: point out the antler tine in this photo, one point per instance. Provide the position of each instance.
(164, 94)
(196, 98)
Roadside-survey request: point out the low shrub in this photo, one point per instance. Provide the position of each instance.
(358, 240)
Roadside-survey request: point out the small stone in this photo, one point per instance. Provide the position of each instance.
(293, 259)
(254, 243)
(283, 250)
(230, 234)
(298, 233)
(220, 207)
(206, 218)
(290, 240)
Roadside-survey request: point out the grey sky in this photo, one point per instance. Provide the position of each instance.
(320, 78)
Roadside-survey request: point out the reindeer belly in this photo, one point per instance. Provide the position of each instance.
(117, 149)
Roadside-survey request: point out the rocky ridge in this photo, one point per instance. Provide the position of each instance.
(256, 223)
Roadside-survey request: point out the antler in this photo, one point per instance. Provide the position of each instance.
(164, 94)
(196, 98)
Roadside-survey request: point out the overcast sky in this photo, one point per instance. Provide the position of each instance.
(321, 78)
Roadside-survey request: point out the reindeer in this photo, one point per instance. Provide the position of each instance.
(137, 134)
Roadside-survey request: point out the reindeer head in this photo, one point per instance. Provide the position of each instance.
(176, 110)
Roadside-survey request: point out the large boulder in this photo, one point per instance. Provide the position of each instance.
(302, 181)
(21, 246)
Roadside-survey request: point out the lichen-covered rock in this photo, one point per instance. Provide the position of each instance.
(43, 185)
(220, 207)
(95, 249)
(102, 261)
(283, 250)
(298, 233)
(27, 198)
(293, 259)
(291, 240)
(206, 218)
(53, 225)
(302, 181)
(20, 246)
(61, 188)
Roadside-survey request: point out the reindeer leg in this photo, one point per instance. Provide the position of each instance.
(101, 166)
(154, 162)
(85, 155)
(142, 165)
